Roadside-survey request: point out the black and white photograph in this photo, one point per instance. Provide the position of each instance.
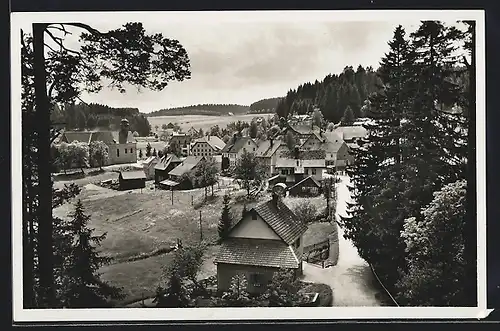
(213, 165)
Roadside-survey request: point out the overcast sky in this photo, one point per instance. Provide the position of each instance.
(247, 58)
(245, 62)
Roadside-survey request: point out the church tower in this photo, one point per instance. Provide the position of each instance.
(124, 131)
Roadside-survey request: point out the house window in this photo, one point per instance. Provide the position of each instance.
(125, 151)
(313, 171)
(254, 149)
(131, 150)
(249, 142)
(118, 152)
(257, 279)
(307, 171)
(297, 163)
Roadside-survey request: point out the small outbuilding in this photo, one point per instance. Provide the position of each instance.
(130, 180)
(307, 187)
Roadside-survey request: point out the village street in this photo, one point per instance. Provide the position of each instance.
(351, 280)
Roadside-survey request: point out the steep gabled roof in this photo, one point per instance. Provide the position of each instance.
(255, 252)
(186, 165)
(104, 136)
(265, 148)
(83, 136)
(165, 160)
(215, 142)
(236, 146)
(310, 178)
(281, 219)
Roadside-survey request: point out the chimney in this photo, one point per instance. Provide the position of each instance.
(279, 191)
(271, 141)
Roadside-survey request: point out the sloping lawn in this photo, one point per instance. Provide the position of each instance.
(318, 232)
(139, 279)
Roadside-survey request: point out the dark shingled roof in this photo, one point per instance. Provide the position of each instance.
(235, 146)
(310, 178)
(165, 160)
(282, 220)
(83, 136)
(264, 253)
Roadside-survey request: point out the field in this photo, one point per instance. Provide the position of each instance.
(200, 121)
(140, 224)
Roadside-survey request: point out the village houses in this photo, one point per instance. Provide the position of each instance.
(236, 147)
(165, 164)
(207, 146)
(183, 140)
(266, 239)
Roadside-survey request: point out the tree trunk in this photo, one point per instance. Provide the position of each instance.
(470, 229)
(42, 114)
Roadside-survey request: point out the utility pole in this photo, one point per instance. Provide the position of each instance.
(172, 195)
(201, 230)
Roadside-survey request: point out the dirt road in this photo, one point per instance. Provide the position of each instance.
(351, 280)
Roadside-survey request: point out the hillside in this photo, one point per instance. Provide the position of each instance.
(264, 105)
(205, 109)
(95, 116)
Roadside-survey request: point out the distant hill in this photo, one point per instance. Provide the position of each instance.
(264, 105)
(206, 109)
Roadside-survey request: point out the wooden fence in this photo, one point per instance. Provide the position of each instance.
(317, 252)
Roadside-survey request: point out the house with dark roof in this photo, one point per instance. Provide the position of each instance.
(178, 174)
(207, 146)
(165, 164)
(268, 152)
(236, 146)
(307, 187)
(129, 180)
(336, 149)
(296, 165)
(266, 239)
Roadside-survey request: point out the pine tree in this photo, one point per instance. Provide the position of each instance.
(174, 296)
(378, 213)
(225, 221)
(154, 152)
(140, 154)
(348, 117)
(82, 286)
(148, 150)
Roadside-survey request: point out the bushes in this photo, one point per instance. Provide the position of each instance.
(325, 294)
(305, 212)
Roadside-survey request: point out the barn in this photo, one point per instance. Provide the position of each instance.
(309, 186)
(129, 180)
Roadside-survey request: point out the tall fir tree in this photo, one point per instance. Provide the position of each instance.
(348, 117)
(225, 221)
(82, 285)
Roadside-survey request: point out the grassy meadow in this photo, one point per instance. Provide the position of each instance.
(204, 122)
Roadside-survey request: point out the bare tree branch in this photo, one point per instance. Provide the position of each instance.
(59, 41)
(61, 28)
(89, 29)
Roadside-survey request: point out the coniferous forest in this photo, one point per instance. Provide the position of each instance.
(82, 116)
(409, 182)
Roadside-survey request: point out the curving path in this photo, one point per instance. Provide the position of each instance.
(351, 280)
